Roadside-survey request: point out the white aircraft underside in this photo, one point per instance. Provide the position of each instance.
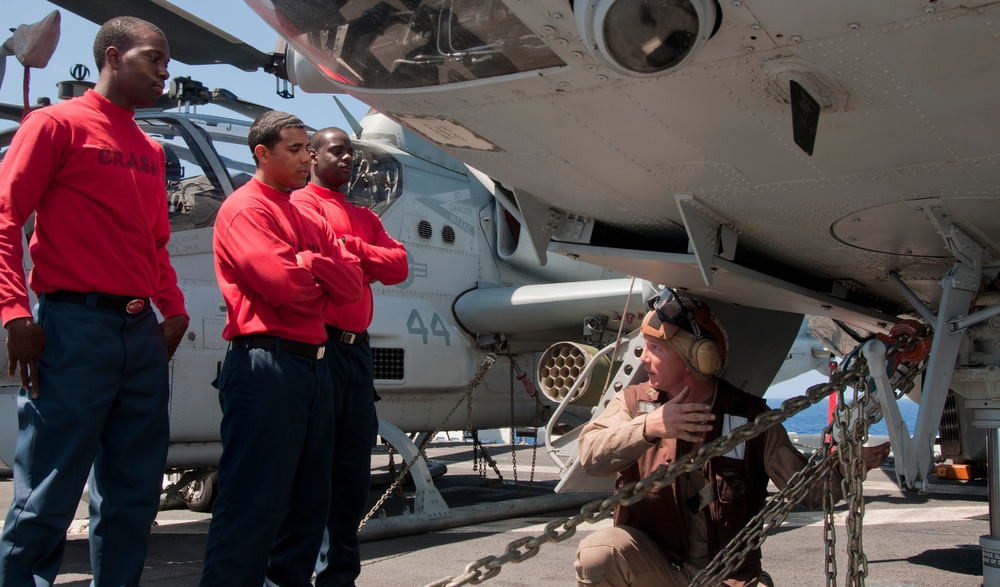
(908, 95)
(655, 138)
(837, 159)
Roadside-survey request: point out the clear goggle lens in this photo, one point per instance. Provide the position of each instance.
(668, 307)
(671, 310)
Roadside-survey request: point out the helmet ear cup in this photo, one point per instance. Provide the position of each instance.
(705, 355)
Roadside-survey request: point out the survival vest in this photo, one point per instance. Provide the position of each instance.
(738, 478)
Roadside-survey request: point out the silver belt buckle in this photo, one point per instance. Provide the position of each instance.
(348, 337)
(320, 352)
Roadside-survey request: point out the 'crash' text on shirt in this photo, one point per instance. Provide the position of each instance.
(108, 156)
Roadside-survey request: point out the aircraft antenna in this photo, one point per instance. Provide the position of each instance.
(355, 125)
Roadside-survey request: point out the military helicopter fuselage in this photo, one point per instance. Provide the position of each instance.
(480, 304)
(460, 239)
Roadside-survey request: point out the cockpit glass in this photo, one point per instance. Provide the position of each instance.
(388, 44)
(376, 180)
(194, 189)
(192, 197)
(202, 156)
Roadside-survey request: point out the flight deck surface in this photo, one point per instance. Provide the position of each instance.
(914, 540)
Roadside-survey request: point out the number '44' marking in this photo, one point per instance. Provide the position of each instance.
(415, 325)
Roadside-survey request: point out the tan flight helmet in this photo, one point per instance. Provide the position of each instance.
(692, 328)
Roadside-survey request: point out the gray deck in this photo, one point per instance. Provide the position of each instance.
(910, 540)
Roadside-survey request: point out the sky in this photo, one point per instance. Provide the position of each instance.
(233, 16)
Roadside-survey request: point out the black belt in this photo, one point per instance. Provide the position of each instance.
(346, 336)
(275, 343)
(126, 304)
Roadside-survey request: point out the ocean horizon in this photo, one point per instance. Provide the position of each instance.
(813, 419)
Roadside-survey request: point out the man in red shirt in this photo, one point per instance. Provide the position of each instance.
(278, 266)
(94, 360)
(348, 351)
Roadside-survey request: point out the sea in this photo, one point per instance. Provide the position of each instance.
(813, 419)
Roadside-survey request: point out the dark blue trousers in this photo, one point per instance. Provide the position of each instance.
(277, 443)
(356, 425)
(102, 402)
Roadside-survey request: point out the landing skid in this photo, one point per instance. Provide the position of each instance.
(428, 502)
(431, 513)
(963, 357)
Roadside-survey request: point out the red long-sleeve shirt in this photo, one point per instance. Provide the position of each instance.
(258, 232)
(95, 182)
(382, 257)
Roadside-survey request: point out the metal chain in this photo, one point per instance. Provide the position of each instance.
(818, 469)
(773, 513)
(514, 369)
(513, 428)
(595, 511)
(480, 456)
(481, 372)
(483, 457)
(534, 449)
(513, 447)
(829, 539)
(853, 422)
(477, 465)
(392, 469)
(633, 492)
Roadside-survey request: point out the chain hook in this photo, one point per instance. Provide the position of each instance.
(522, 376)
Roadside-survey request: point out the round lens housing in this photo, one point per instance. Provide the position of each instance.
(645, 38)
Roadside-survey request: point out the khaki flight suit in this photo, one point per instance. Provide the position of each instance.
(622, 555)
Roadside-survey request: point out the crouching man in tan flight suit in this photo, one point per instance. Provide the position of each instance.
(666, 538)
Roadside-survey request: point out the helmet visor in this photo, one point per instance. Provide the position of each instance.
(670, 309)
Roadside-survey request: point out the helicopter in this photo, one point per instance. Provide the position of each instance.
(831, 161)
(836, 161)
(459, 238)
(476, 289)
(423, 357)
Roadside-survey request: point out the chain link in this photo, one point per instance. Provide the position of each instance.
(481, 372)
(534, 449)
(773, 513)
(664, 475)
(392, 470)
(853, 419)
(515, 370)
(850, 422)
(513, 428)
(775, 510)
(830, 539)
(480, 456)
(480, 459)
